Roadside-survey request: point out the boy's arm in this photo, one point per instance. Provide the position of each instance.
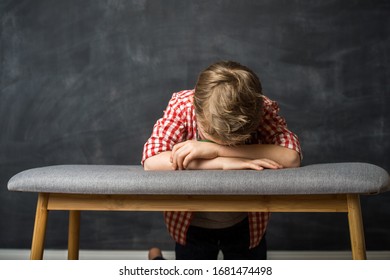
(163, 161)
(184, 153)
(231, 163)
(288, 158)
(160, 161)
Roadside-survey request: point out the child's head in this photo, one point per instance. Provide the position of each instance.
(228, 102)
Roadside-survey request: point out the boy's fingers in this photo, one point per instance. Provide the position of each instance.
(187, 160)
(175, 154)
(255, 166)
(179, 158)
(175, 161)
(175, 148)
(174, 165)
(267, 164)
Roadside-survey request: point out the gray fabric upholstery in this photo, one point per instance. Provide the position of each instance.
(332, 178)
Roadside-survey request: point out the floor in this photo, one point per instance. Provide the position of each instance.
(23, 254)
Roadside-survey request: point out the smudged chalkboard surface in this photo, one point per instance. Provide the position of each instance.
(82, 82)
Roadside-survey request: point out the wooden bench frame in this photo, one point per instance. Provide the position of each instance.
(74, 203)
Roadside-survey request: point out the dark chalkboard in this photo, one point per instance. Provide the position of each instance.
(82, 82)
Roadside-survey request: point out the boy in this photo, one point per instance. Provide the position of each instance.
(225, 123)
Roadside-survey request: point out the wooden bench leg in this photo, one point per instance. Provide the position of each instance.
(39, 233)
(74, 235)
(356, 227)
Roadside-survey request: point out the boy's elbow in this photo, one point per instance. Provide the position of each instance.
(293, 160)
(150, 165)
(147, 166)
(157, 162)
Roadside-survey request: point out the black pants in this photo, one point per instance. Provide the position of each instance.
(205, 244)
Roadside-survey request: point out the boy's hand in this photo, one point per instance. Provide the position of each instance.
(243, 163)
(183, 153)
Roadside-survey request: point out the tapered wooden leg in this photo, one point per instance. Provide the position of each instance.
(356, 227)
(39, 227)
(74, 235)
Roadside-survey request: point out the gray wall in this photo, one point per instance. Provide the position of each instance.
(82, 82)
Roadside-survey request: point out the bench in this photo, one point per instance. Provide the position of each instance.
(334, 187)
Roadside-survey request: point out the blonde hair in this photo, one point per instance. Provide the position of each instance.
(228, 102)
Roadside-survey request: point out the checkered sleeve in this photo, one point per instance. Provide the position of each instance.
(167, 131)
(274, 128)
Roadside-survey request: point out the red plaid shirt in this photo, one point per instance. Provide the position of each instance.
(178, 124)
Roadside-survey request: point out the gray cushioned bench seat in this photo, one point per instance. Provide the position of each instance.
(333, 178)
(314, 188)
